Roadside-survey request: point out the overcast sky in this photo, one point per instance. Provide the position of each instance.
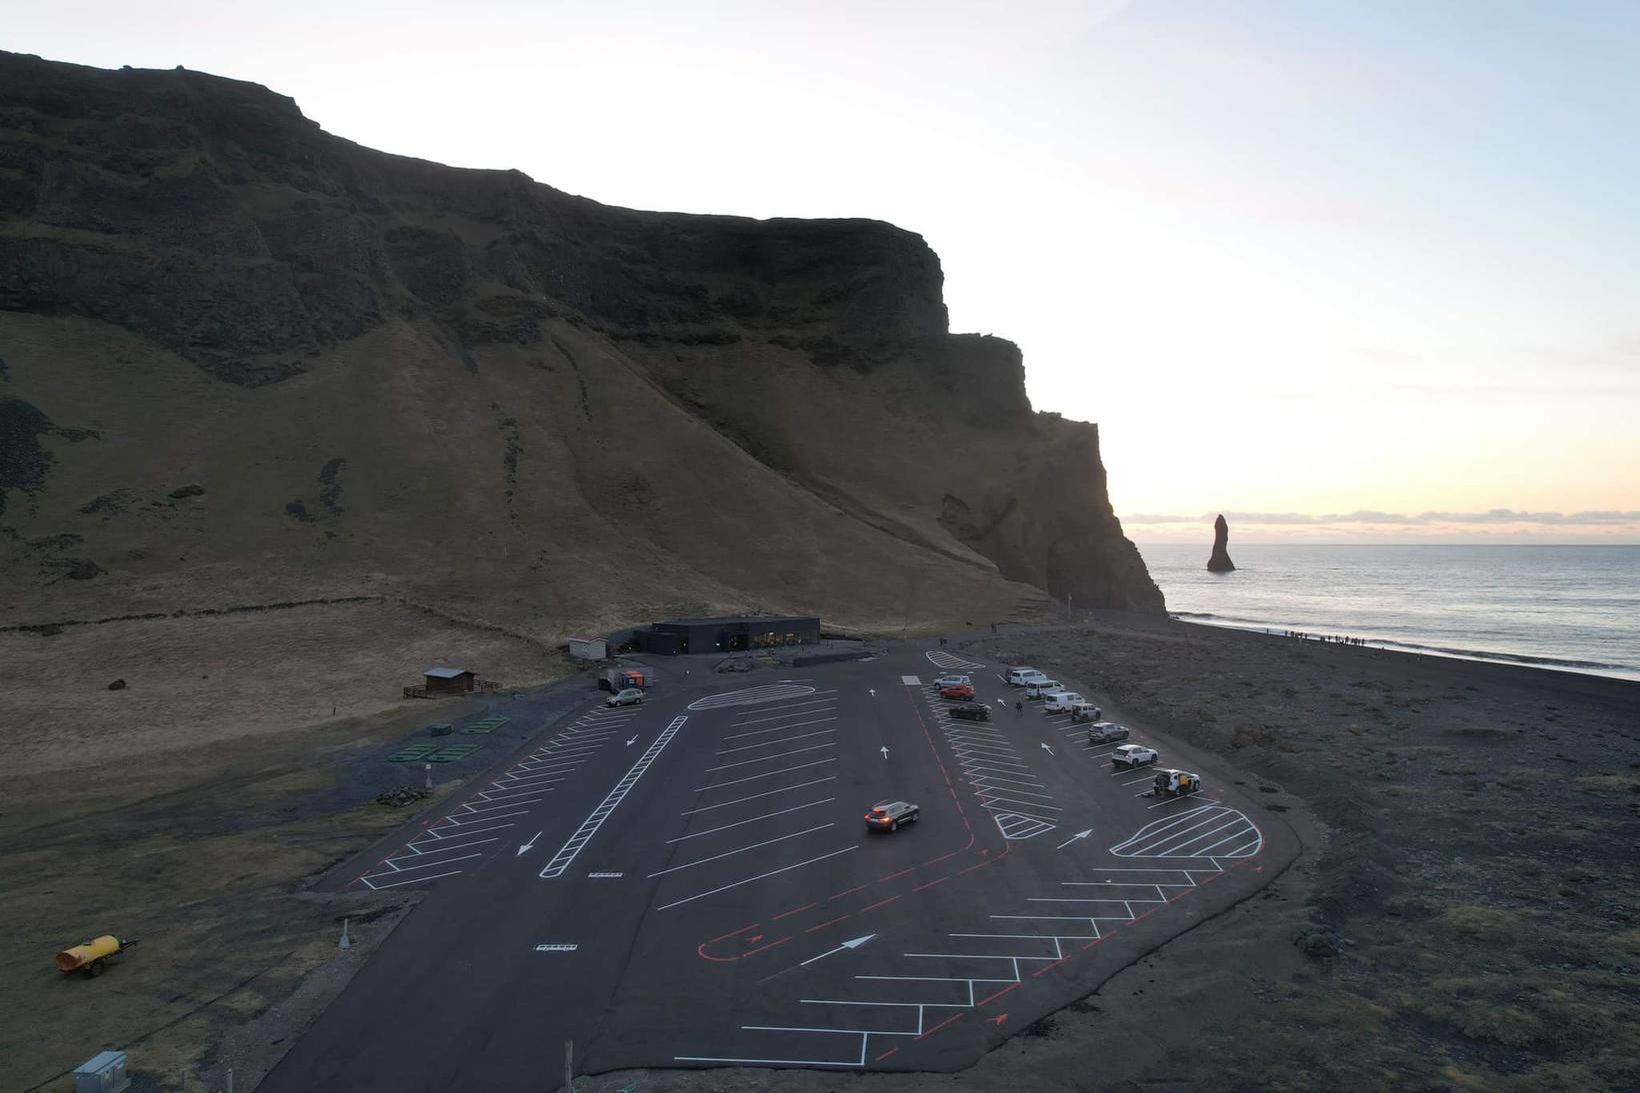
(1347, 270)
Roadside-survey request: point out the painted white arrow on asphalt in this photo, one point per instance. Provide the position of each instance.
(1001, 703)
(1047, 749)
(872, 691)
(1073, 838)
(634, 740)
(885, 751)
(853, 943)
(527, 847)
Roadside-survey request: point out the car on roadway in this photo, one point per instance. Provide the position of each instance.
(963, 692)
(629, 696)
(951, 680)
(1134, 755)
(972, 711)
(1107, 732)
(889, 815)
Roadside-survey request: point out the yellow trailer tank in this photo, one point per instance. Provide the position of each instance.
(88, 956)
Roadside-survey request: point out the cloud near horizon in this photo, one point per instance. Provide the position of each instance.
(1365, 516)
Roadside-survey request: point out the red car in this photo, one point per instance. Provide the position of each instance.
(963, 692)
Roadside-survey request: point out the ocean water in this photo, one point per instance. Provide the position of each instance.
(1574, 608)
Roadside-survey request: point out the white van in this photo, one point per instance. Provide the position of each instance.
(1018, 677)
(1040, 688)
(1060, 701)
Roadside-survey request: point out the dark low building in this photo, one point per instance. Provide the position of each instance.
(731, 634)
(450, 681)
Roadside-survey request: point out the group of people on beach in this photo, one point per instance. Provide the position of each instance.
(1299, 635)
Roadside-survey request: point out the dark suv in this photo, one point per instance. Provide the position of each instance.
(890, 815)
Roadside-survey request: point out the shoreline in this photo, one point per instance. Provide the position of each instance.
(1475, 656)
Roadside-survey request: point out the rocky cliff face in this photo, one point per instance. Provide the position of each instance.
(380, 369)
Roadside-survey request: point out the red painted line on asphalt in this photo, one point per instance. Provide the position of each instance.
(1094, 942)
(1049, 967)
(770, 945)
(823, 925)
(731, 933)
(931, 883)
(939, 1026)
(901, 873)
(971, 868)
(799, 910)
(850, 892)
(880, 902)
(886, 1054)
(993, 997)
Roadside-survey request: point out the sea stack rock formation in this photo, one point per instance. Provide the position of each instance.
(1220, 561)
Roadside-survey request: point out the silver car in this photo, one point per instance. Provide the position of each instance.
(1106, 732)
(631, 696)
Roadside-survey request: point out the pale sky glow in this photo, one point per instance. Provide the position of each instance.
(1294, 258)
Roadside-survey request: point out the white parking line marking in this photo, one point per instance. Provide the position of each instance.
(548, 766)
(413, 880)
(484, 819)
(1186, 797)
(791, 711)
(781, 740)
(754, 819)
(766, 758)
(765, 774)
(989, 799)
(985, 751)
(755, 796)
(778, 728)
(760, 876)
(741, 850)
(439, 848)
(506, 794)
(589, 827)
(430, 865)
(987, 791)
(435, 833)
(544, 779)
(752, 696)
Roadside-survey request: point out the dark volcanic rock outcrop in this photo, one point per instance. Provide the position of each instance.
(403, 319)
(1219, 561)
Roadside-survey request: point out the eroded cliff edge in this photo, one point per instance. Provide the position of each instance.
(371, 365)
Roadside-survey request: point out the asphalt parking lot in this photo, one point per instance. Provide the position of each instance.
(690, 883)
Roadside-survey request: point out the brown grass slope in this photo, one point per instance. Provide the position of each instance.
(374, 375)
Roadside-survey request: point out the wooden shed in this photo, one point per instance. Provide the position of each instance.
(587, 648)
(450, 681)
